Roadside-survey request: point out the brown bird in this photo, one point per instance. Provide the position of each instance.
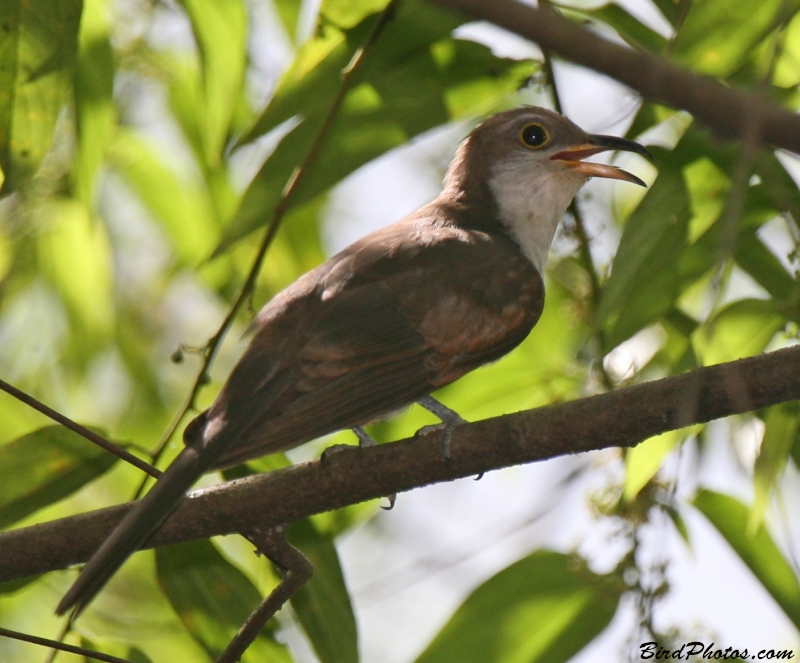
(391, 318)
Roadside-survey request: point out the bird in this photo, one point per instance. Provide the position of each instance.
(391, 318)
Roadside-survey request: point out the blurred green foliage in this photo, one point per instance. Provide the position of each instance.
(142, 158)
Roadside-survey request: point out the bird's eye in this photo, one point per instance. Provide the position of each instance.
(534, 135)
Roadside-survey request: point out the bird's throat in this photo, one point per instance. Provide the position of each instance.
(530, 209)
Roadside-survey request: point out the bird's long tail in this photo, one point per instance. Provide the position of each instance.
(136, 527)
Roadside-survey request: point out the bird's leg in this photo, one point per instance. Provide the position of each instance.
(364, 440)
(450, 419)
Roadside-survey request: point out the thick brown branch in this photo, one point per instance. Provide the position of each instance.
(725, 110)
(622, 418)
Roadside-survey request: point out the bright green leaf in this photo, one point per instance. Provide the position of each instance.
(758, 552)
(213, 599)
(741, 329)
(708, 189)
(780, 435)
(44, 467)
(77, 255)
(96, 116)
(38, 48)
(718, 35)
(543, 609)
(346, 14)
(323, 604)
(644, 460)
(787, 68)
(220, 29)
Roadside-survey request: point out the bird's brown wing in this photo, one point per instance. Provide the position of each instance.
(373, 330)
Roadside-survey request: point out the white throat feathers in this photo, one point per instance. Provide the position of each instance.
(531, 200)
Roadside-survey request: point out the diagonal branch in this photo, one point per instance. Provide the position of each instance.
(621, 418)
(725, 110)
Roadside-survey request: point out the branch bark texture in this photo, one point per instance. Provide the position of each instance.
(727, 111)
(621, 418)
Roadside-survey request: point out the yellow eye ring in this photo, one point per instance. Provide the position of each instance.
(534, 136)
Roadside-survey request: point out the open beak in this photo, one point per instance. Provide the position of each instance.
(573, 156)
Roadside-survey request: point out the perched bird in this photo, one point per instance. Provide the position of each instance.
(391, 318)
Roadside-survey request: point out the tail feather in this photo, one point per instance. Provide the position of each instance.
(136, 527)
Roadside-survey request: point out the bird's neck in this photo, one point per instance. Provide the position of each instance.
(530, 209)
(526, 209)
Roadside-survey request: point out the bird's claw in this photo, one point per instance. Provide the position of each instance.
(450, 420)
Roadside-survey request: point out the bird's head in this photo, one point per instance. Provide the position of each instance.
(530, 162)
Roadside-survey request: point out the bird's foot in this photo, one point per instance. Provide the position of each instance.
(450, 420)
(334, 450)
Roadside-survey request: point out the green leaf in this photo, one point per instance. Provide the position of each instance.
(787, 68)
(323, 604)
(670, 10)
(213, 599)
(44, 467)
(96, 116)
(220, 29)
(629, 27)
(76, 254)
(780, 434)
(758, 552)
(182, 208)
(346, 14)
(38, 49)
(543, 609)
(136, 655)
(644, 460)
(415, 78)
(644, 281)
(717, 35)
(758, 261)
(289, 13)
(741, 329)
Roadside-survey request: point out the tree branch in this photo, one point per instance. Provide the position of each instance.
(723, 109)
(621, 418)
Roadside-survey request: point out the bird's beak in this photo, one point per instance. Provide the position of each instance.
(573, 156)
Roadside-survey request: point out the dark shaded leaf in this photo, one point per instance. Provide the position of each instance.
(629, 27)
(38, 49)
(323, 604)
(213, 599)
(758, 261)
(543, 609)
(46, 466)
(644, 281)
(758, 552)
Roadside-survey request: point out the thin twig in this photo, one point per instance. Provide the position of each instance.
(53, 644)
(210, 351)
(296, 570)
(584, 248)
(93, 437)
(51, 656)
